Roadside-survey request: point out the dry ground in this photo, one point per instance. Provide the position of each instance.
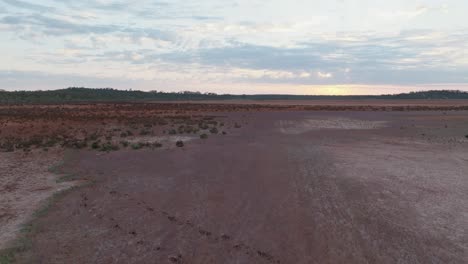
(281, 186)
(26, 181)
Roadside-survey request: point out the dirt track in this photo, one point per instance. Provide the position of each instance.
(353, 193)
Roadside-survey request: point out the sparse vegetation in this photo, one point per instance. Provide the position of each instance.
(137, 145)
(179, 144)
(109, 146)
(145, 132)
(203, 136)
(124, 143)
(96, 145)
(79, 94)
(156, 145)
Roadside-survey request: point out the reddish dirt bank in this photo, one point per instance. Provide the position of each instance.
(287, 187)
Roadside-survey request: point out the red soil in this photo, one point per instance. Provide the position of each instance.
(285, 187)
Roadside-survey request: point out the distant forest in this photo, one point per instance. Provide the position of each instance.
(80, 94)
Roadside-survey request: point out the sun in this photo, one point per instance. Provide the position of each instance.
(334, 89)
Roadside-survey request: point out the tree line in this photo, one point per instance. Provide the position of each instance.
(81, 94)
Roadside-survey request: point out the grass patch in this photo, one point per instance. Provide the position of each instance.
(66, 178)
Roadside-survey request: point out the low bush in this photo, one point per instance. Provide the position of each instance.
(108, 146)
(179, 144)
(96, 145)
(7, 147)
(203, 125)
(136, 146)
(51, 142)
(156, 145)
(74, 143)
(163, 122)
(93, 136)
(145, 132)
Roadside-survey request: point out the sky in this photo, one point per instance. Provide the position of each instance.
(235, 46)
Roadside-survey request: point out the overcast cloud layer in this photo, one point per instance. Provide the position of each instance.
(243, 46)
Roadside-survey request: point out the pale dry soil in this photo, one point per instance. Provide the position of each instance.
(26, 181)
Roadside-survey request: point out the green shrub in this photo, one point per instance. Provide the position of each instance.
(145, 132)
(214, 130)
(203, 125)
(50, 142)
(136, 146)
(96, 145)
(93, 136)
(156, 145)
(108, 146)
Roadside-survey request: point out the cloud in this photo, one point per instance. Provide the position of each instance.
(53, 26)
(377, 59)
(206, 42)
(324, 75)
(50, 26)
(28, 6)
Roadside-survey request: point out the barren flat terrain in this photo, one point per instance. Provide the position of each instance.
(250, 183)
(346, 102)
